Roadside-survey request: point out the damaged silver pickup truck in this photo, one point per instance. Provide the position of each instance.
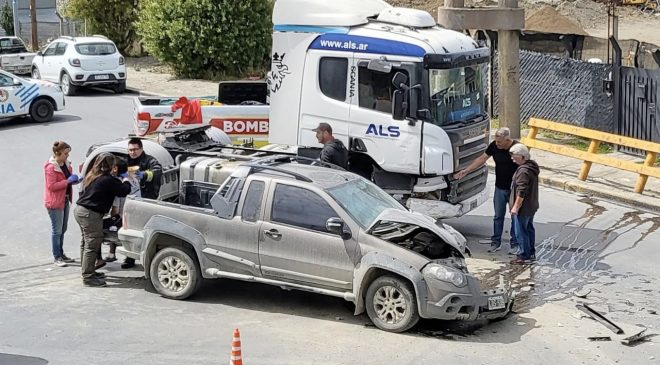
(297, 224)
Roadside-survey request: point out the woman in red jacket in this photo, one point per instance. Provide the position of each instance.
(57, 197)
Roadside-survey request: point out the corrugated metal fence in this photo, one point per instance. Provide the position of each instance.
(563, 90)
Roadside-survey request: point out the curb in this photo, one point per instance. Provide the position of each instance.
(133, 90)
(573, 185)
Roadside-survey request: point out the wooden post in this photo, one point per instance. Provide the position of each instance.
(642, 179)
(33, 22)
(586, 165)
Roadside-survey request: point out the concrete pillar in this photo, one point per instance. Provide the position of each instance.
(509, 75)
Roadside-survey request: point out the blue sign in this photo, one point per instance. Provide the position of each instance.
(6, 109)
(359, 44)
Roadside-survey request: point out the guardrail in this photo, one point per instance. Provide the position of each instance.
(590, 156)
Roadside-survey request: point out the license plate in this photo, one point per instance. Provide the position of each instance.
(101, 77)
(496, 302)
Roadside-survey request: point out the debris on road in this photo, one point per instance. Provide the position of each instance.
(651, 311)
(600, 318)
(600, 338)
(637, 338)
(582, 293)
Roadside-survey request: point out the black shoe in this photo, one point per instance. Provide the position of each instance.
(66, 259)
(110, 259)
(99, 275)
(94, 282)
(128, 263)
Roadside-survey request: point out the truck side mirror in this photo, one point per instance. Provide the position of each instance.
(399, 105)
(336, 225)
(400, 81)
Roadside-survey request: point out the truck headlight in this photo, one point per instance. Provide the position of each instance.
(445, 274)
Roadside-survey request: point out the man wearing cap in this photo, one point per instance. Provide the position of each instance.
(333, 150)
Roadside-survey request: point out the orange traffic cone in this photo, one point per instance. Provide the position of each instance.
(236, 358)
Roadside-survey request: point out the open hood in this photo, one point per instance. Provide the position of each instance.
(447, 233)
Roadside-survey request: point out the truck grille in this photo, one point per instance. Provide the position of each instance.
(469, 141)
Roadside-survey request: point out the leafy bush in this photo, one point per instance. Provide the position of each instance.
(112, 18)
(208, 38)
(7, 18)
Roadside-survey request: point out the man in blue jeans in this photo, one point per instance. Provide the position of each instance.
(504, 169)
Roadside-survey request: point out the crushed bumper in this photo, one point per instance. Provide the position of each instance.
(473, 305)
(131, 243)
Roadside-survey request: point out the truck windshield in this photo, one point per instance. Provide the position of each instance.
(456, 94)
(363, 200)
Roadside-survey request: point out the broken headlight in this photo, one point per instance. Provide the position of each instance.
(445, 274)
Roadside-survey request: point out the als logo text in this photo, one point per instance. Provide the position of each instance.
(383, 131)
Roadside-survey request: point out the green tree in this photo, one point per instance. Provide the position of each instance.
(114, 19)
(208, 38)
(7, 18)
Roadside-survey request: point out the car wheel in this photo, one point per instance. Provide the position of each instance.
(65, 83)
(119, 88)
(35, 73)
(41, 110)
(174, 273)
(391, 304)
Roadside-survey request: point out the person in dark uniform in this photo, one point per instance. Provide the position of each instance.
(99, 191)
(149, 173)
(333, 150)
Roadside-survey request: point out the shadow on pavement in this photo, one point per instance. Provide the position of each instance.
(9, 359)
(24, 122)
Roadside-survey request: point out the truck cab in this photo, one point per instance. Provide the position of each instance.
(406, 96)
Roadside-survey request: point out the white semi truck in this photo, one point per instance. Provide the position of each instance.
(406, 96)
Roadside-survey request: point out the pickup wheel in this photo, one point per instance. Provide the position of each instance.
(67, 87)
(35, 73)
(174, 273)
(41, 111)
(391, 304)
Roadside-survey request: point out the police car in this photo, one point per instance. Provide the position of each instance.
(36, 98)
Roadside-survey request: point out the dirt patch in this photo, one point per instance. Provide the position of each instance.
(549, 20)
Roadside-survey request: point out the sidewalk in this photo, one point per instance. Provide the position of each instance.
(556, 171)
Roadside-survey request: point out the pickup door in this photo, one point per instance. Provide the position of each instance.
(294, 244)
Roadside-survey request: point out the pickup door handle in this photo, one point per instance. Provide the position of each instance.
(273, 233)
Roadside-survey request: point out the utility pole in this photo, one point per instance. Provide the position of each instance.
(507, 18)
(33, 21)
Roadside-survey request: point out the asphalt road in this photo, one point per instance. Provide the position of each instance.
(47, 316)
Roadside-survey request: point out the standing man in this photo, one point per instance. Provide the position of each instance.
(333, 150)
(149, 173)
(504, 169)
(524, 202)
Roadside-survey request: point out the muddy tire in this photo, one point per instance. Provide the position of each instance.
(391, 304)
(174, 273)
(41, 111)
(68, 88)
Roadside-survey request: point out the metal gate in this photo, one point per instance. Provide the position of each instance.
(636, 103)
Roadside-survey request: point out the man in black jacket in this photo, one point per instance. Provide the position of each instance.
(149, 173)
(333, 150)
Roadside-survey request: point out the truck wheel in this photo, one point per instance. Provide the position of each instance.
(174, 273)
(35, 73)
(65, 83)
(119, 88)
(41, 111)
(391, 304)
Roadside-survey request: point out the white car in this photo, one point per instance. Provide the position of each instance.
(19, 96)
(81, 61)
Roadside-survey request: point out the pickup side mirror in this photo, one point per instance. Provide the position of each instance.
(336, 225)
(39, 53)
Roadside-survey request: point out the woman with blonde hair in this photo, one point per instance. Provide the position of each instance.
(59, 177)
(524, 202)
(100, 189)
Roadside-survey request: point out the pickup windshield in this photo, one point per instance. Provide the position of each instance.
(456, 94)
(363, 200)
